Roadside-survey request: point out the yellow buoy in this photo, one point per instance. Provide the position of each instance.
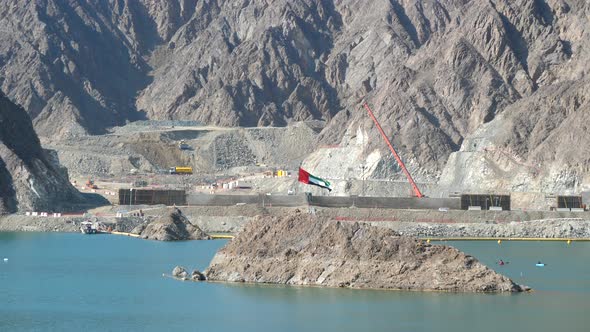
(569, 241)
(428, 241)
(499, 241)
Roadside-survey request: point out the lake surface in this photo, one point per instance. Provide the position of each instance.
(78, 282)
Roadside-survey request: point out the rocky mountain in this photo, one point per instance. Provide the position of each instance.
(30, 177)
(436, 72)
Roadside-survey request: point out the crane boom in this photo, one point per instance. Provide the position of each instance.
(397, 158)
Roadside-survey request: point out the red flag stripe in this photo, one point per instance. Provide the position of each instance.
(303, 176)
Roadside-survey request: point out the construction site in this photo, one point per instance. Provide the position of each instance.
(222, 178)
(183, 163)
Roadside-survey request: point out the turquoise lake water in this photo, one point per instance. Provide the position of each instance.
(73, 282)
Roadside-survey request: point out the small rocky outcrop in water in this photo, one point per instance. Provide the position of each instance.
(198, 276)
(303, 250)
(179, 272)
(172, 227)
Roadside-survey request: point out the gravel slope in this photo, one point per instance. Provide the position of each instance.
(299, 249)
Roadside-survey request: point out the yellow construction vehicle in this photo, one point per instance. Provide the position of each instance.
(181, 170)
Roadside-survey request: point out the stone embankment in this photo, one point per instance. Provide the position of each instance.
(301, 249)
(20, 223)
(550, 228)
(66, 224)
(420, 223)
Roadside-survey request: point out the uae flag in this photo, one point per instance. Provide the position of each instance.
(307, 178)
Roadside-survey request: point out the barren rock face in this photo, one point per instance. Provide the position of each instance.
(30, 178)
(434, 71)
(302, 250)
(172, 227)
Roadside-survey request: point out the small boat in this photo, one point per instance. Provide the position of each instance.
(540, 264)
(87, 227)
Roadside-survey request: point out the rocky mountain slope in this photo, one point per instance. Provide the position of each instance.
(299, 249)
(30, 177)
(435, 72)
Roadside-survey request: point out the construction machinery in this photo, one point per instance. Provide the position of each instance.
(395, 155)
(183, 146)
(90, 184)
(180, 170)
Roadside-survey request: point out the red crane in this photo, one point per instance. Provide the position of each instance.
(399, 160)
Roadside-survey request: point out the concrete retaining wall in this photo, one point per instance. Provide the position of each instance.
(334, 202)
(325, 201)
(407, 203)
(283, 200)
(222, 200)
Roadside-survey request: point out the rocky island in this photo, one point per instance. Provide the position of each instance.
(171, 227)
(301, 249)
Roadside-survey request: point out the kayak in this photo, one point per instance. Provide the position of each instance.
(540, 264)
